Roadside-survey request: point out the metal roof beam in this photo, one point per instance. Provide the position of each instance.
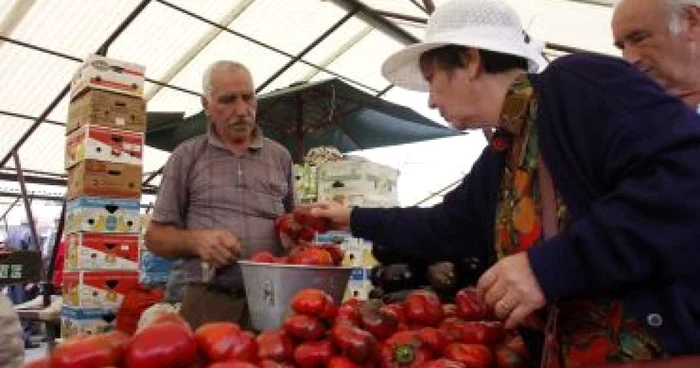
(14, 16)
(262, 44)
(187, 57)
(102, 51)
(370, 16)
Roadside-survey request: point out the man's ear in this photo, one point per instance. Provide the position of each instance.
(471, 59)
(691, 15)
(205, 103)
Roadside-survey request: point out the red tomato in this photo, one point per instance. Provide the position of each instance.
(313, 354)
(336, 253)
(312, 256)
(349, 311)
(90, 351)
(166, 344)
(356, 343)
(423, 308)
(221, 341)
(233, 364)
(275, 345)
(303, 327)
(473, 355)
(470, 307)
(312, 302)
(263, 257)
(272, 364)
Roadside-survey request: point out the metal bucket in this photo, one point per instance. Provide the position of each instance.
(270, 287)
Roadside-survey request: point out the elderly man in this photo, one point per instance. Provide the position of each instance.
(662, 38)
(220, 195)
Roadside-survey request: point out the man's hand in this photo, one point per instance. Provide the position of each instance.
(511, 289)
(216, 247)
(338, 214)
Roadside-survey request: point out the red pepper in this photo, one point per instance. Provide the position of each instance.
(275, 345)
(404, 349)
(473, 332)
(164, 344)
(303, 327)
(313, 354)
(444, 363)
(473, 355)
(342, 362)
(470, 307)
(381, 322)
(313, 302)
(423, 307)
(90, 351)
(221, 341)
(356, 343)
(434, 338)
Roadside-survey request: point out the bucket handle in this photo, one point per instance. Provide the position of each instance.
(269, 293)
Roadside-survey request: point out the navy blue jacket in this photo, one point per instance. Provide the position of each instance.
(625, 158)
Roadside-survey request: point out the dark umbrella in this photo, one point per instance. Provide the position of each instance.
(327, 113)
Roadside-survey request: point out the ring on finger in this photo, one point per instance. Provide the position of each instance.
(506, 305)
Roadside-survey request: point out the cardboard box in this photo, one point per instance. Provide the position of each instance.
(20, 267)
(104, 179)
(102, 215)
(358, 252)
(97, 289)
(95, 251)
(109, 109)
(305, 183)
(86, 321)
(358, 183)
(100, 72)
(104, 144)
(359, 285)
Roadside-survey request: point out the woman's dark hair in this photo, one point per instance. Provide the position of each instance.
(449, 58)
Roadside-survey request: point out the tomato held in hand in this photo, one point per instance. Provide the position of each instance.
(470, 307)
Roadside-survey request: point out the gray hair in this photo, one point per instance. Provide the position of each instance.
(208, 83)
(676, 13)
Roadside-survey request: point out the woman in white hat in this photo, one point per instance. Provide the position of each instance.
(603, 243)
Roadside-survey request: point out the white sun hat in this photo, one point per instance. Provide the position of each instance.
(483, 24)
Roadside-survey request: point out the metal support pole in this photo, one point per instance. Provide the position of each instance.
(4, 215)
(27, 203)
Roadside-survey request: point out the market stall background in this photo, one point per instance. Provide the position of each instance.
(42, 43)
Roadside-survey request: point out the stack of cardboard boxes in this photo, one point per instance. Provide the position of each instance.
(356, 182)
(104, 152)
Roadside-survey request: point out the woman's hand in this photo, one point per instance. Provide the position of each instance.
(337, 214)
(511, 289)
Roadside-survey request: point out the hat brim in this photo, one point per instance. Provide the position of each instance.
(403, 67)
